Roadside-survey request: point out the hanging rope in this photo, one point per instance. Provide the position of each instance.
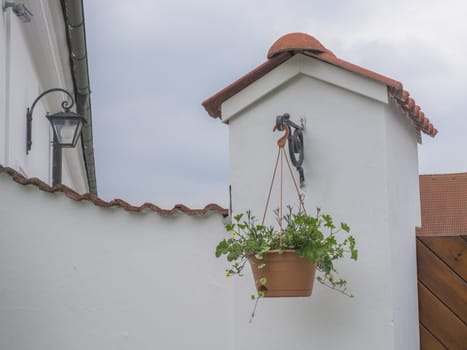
(270, 187)
(300, 196)
(281, 154)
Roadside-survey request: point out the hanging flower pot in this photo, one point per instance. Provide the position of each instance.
(284, 259)
(279, 257)
(283, 274)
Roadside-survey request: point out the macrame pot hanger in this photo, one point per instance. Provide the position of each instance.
(279, 163)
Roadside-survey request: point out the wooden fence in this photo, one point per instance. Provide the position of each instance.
(442, 292)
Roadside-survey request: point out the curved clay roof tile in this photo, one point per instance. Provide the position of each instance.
(416, 110)
(405, 95)
(421, 116)
(68, 192)
(297, 42)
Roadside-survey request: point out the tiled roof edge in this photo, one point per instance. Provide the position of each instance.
(395, 88)
(414, 111)
(178, 208)
(213, 103)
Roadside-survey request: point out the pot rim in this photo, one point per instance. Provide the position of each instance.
(277, 251)
(281, 251)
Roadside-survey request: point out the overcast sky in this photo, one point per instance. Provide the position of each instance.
(153, 62)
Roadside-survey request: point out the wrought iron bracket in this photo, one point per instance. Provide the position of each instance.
(295, 143)
(66, 105)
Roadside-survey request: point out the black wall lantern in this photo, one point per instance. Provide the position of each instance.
(66, 125)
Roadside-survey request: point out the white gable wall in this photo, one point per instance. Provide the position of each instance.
(300, 64)
(348, 174)
(34, 58)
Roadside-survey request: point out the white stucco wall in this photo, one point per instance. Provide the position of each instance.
(404, 216)
(76, 276)
(349, 174)
(33, 58)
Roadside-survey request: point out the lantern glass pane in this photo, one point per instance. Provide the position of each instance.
(65, 130)
(67, 127)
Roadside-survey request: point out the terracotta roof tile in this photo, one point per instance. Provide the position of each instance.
(291, 44)
(178, 208)
(213, 104)
(443, 200)
(297, 42)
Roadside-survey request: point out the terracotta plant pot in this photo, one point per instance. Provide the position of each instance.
(287, 274)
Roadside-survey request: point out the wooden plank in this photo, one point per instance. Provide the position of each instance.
(428, 341)
(442, 281)
(452, 250)
(440, 321)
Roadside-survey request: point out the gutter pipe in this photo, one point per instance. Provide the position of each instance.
(73, 14)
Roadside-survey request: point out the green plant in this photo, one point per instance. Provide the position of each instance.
(315, 238)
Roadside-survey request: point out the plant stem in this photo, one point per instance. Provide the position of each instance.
(336, 289)
(254, 308)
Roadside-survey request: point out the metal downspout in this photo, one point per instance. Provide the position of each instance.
(76, 36)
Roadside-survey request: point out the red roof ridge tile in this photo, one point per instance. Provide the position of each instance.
(97, 201)
(291, 44)
(298, 42)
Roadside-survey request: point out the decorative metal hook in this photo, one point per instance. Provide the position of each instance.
(281, 142)
(295, 141)
(66, 105)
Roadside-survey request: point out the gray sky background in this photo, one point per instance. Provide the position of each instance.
(153, 62)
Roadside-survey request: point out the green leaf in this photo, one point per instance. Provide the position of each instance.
(263, 281)
(231, 256)
(345, 227)
(310, 253)
(320, 252)
(325, 265)
(261, 266)
(353, 251)
(328, 221)
(222, 248)
(238, 217)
